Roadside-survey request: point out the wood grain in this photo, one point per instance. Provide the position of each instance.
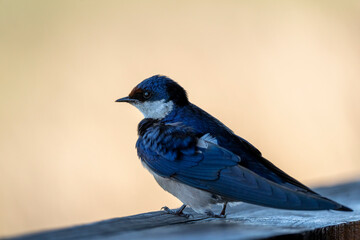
(243, 221)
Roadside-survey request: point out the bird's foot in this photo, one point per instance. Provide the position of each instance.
(212, 214)
(178, 212)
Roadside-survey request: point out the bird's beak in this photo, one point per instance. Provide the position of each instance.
(125, 99)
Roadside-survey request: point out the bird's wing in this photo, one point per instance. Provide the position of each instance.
(203, 123)
(254, 161)
(174, 152)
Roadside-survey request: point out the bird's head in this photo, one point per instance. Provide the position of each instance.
(156, 97)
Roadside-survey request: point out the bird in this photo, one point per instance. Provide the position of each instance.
(199, 160)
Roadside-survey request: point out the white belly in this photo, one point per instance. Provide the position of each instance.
(200, 201)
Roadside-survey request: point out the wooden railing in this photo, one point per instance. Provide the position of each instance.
(243, 221)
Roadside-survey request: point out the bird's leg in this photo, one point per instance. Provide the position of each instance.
(223, 210)
(178, 212)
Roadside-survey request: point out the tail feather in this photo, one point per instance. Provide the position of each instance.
(344, 209)
(332, 205)
(240, 184)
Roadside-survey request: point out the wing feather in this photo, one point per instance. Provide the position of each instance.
(217, 170)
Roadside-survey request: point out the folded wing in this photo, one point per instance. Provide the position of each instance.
(207, 166)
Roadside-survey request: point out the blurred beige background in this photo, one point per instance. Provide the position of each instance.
(285, 75)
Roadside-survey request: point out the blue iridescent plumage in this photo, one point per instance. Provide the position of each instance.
(173, 145)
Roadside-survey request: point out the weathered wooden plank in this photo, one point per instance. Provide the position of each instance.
(243, 221)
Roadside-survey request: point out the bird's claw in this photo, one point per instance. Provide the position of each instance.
(211, 214)
(177, 212)
(168, 210)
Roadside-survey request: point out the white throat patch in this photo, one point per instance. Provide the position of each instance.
(156, 109)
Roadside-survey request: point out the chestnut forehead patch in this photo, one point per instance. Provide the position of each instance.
(137, 93)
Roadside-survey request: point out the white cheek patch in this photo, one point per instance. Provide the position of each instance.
(155, 109)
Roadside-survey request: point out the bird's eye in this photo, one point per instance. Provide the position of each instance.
(146, 95)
